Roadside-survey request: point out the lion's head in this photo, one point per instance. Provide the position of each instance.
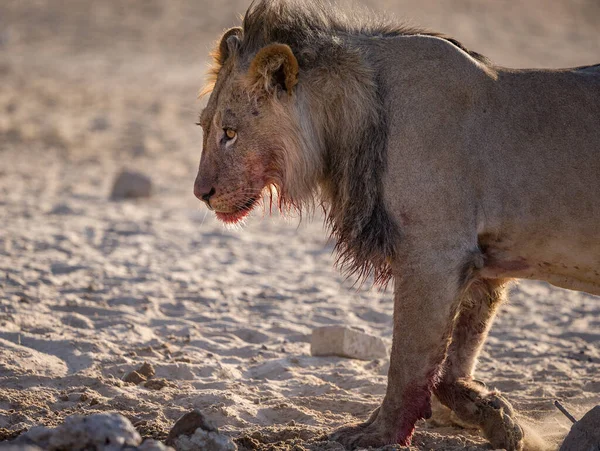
(296, 105)
(250, 132)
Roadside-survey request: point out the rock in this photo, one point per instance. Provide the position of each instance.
(142, 374)
(134, 378)
(204, 441)
(345, 342)
(131, 185)
(62, 209)
(99, 124)
(147, 370)
(585, 434)
(12, 447)
(194, 432)
(158, 384)
(98, 432)
(188, 423)
(153, 445)
(77, 321)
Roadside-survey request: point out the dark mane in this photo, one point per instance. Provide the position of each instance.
(312, 24)
(355, 158)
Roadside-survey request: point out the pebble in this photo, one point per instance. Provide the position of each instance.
(147, 370)
(134, 378)
(62, 209)
(12, 447)
(142, 374)
(131, 185)
(77, 321)
(158, 384)
(193, 432)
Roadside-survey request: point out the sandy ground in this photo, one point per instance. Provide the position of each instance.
(91, 288)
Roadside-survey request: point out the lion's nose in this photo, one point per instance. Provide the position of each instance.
(203, 192)
(206, 197)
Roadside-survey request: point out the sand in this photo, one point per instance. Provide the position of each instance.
(92, 288)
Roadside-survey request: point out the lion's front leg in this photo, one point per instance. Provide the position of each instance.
(426, 298)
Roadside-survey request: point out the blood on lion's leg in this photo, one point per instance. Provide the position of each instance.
(426, 301)
(470, 400)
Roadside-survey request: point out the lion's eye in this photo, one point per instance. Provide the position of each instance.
(230, 133)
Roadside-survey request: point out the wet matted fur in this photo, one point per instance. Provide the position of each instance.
(437, 170)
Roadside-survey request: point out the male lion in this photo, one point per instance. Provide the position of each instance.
(437, 169)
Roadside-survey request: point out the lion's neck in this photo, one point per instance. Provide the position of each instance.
(347, 125)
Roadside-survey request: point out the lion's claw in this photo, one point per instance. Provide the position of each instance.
(499, 425)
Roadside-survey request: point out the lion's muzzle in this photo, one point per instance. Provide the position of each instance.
(203, 191)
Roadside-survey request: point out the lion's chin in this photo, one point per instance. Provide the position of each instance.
(232, 218)
(236, 216)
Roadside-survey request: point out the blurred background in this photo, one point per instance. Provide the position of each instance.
(90, 288)
(114, 76)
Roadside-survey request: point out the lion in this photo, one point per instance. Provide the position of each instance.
(438, 170)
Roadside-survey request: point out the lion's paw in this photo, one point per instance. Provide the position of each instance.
(500, 425)
(361, 436)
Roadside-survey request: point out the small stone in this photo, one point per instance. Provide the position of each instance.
(77, 320)
(585, 434)
(158, 384)
(148, 351)
(62, 209)
(134, 378)
(72, 397)
(24, 299)
(193, 431)
(345, 342)
(205, 441)
(23, 447)
(187, 425)
(153, 445)
(99, 124)
(131, 185)
(146, 370)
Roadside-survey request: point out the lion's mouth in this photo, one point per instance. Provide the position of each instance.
(232, 217)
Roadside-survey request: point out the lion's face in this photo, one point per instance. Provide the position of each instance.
(242, 147)
(236, 158)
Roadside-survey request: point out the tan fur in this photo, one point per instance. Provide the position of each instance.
(219, 55)
(267, 61)
(436, 168)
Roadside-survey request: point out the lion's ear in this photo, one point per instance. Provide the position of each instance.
(229, 44)
(274, 67)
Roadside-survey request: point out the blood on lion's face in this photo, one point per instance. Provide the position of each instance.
(235, 158)
(245, 136)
